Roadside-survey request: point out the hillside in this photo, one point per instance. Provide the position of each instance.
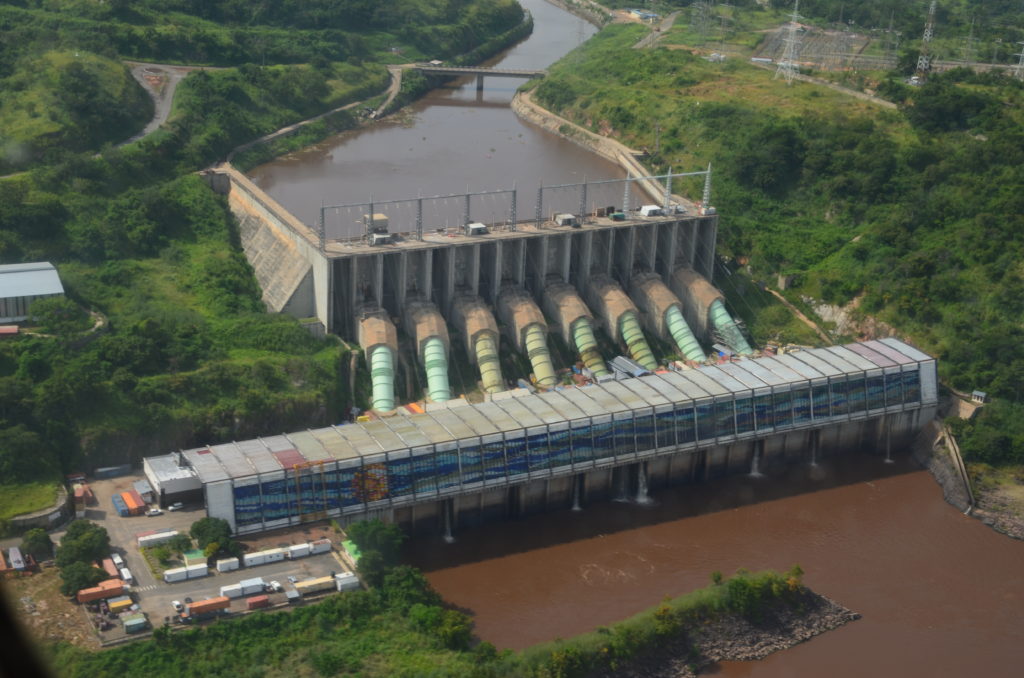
(183, 353)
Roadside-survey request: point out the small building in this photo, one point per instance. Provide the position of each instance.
(979, 397)
(22, 284)
(172, 479)
(145, 490)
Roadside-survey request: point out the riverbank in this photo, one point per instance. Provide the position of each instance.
(734, 638)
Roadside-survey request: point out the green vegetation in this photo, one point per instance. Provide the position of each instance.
(402, 628)
(994, 437)
(187, 356)
(80, 575)
(37, 543)
(912, 213)
(24, 497)
(377, 548)
(213, 536)
(83, 544)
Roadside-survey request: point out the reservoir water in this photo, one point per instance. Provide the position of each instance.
(940, 594)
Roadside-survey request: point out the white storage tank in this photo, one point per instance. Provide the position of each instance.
(175, 574)
(197, 571)
(251, 586)
(227, 564)
(299, 551)
(232, 591)
(320, 546)
(346, 581)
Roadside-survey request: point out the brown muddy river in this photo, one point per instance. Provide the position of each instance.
(940, 594)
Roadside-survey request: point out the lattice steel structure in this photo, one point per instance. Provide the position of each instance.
(788, 66)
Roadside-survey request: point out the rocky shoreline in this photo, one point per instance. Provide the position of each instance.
(734, 638)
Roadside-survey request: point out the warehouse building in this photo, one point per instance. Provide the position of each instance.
(22, 284)
(713, 418)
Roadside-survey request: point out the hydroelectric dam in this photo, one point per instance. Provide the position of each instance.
(577, 265)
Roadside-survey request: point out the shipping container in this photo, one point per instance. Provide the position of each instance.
(119, 506)
(15, 558)
(111, 588)
(227, 564)
(231, 591)
(256, 602)
(119, 604)
(133, 502)
(175, 574)
(292, 596)
(110, 568)
(197, 571)
(252, 559)
(209, 605)
(299, 551)
(157, 538)
(315, 585)
(321, 545)
(347, 581)
(135, 623)
(250, 586)
(113, 471)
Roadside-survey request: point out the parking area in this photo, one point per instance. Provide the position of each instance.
(155, 597)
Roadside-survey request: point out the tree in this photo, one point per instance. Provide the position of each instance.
(209, 530)
(37, 543)
(179, 543)
(59, 316)
(374, 535)
(79, 575)
(372, 567)
(83, 542)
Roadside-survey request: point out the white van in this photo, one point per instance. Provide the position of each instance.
(127, 576)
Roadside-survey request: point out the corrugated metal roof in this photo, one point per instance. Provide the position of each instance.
(396, 434)
(906, 349)
(27, 280)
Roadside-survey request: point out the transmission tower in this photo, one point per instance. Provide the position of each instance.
(924, 60)
(1019, 68)
(968, 48)
(787, 67)
(700, 19)
(892, 42)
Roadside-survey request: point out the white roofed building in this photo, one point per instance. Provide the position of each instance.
(22, 284)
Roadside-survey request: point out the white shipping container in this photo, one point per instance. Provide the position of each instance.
(197, 571)
(346, 581)
(232, 591)
(321, 545)
(299, 551)
(157, 539)
(250, 586)
(227, 564)
(175, 574)
(275, 555)
(251, 559)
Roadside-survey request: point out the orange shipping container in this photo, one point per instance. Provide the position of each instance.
(107, 589)
(209, 605)
(137, 497)
(110, 568)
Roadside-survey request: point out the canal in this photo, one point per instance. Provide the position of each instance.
(940, 594)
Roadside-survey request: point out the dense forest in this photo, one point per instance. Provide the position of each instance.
(915, 214)
(164, 341)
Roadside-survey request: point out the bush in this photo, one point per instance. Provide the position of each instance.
(84, 542)
(78, 575)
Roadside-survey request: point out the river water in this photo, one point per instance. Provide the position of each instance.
(940, 594)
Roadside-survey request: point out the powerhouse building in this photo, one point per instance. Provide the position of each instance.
(283, 480)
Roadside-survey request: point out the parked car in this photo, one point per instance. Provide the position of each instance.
(154, 512)
(176, 604)
(176, 506)
(275, 586)
(292, 579)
